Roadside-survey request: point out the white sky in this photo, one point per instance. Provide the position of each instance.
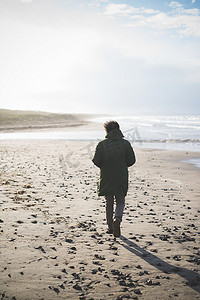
(100, 56)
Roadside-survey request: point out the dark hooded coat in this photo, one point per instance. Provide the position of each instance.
(113, 156)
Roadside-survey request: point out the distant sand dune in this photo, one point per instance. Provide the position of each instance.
(23, 120)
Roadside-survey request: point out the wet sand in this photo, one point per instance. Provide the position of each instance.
(52, 226)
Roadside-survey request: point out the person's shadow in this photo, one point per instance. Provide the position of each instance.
(193, 278)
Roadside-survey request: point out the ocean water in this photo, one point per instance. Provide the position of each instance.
(194, 161)
(161, 128)
(167, 132)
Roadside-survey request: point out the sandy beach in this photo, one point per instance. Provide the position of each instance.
(71, 74)
(52, 226)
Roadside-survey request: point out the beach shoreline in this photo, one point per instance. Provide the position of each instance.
(161, 132)
(52, 230)
(79, 125)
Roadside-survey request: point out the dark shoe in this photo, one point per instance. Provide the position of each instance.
(109, 231)
(116, 228)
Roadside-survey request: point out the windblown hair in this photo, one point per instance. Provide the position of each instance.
(110, 125)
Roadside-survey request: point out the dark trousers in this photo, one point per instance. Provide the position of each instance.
(120, 203)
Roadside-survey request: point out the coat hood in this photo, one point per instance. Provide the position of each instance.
(115, 134)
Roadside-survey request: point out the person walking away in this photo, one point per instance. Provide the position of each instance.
(113, 156)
